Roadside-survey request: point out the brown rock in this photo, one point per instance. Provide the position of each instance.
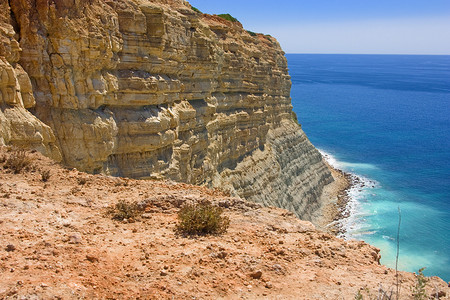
(92, 258)
(256, 275)
(10, 248)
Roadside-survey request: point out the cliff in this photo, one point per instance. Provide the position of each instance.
(57, 242)
(152, 89)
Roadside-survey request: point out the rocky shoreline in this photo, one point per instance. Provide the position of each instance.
(334, 202)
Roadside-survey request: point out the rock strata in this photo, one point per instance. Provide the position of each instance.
(153, 89)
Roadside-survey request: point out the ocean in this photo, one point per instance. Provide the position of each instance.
(386, 119)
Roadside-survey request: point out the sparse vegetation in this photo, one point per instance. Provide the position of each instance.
(228, 17)
(202, 218)
(294, 118)
(45, 175)
(252, 33)
(124, 210)
(196, 9)
(17, 161)
(382, 294)
(418, 290)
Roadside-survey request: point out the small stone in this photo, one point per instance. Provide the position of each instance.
(163, 273)
(268, 285)
(74, 239)
(256, 275)
(441, 294)
(10, 248)
(146, 216)
(92, 258)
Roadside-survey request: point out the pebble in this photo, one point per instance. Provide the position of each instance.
(256, 275)
(163, 273)
(10, 248)
(91, 258)
(74, 239)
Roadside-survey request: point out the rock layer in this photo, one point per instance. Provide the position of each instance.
(151, 89)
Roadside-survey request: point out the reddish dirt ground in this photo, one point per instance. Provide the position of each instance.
(57, 241)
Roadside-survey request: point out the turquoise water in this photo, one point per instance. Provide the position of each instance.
(385, 118)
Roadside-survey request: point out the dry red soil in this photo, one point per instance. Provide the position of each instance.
(57, 241)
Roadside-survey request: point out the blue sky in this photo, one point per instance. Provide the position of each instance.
(345, 26)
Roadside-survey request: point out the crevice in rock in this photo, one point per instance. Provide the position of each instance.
(14, 22)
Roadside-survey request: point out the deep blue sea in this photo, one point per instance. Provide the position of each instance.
(385, 118)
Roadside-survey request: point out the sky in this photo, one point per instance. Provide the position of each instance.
(344, 26)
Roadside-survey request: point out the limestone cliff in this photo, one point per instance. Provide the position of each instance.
(150, 89)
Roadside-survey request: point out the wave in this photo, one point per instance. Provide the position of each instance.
(353, 223)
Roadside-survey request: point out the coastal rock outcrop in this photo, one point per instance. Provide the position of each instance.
(153, 89)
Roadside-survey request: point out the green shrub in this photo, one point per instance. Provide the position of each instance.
(251, 33)
(294, 118)
(228, 17)
(202, 218)
(124, 210)
(418, 290)
(196, 9)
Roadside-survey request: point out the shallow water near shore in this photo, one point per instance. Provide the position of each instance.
(386, 119)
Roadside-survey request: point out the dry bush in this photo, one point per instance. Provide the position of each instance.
(45, 175)
(124, 210)
(202, 218)
(17, 161)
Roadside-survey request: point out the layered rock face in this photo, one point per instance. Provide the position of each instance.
(150, 89)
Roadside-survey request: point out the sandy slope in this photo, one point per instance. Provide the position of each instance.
(57, 242)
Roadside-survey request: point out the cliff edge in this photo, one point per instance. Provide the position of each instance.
(58, 242)
(153, 89)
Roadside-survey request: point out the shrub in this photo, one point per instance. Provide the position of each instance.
(251, 33)
(228, 17)
(196, 9)
(45, 175)
(294, 118)
(418, 290)
(17, 161)
(124, 210)
(202, 218)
